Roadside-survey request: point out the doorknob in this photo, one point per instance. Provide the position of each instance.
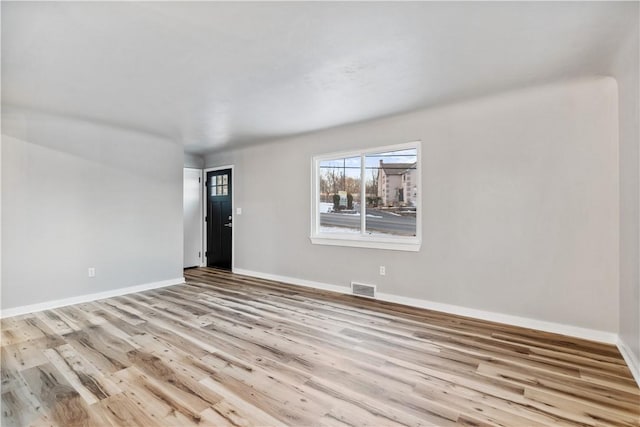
(228, 225)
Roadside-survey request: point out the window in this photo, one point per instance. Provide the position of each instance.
(219, 185)
(368, 199)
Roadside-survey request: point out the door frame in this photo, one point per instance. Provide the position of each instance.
(202, 206)
(205, 204)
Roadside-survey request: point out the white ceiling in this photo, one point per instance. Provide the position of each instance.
(214, 75)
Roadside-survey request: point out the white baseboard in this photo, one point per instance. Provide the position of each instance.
(541, 325)
(524, 322)
(48, 305)
(294, 281)
(632, 361)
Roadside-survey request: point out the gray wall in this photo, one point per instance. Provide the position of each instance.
(520, 205)
(193, 161)
(626, 71)
(78, 195)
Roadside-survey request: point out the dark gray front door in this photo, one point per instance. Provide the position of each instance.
(219, 218)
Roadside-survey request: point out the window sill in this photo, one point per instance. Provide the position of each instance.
(358, 242)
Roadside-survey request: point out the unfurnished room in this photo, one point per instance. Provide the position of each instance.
(320, 213)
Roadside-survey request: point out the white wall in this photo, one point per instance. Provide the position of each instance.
(520, 206)
(76, 195)
(626, 71)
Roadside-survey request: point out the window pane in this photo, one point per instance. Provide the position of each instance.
(391, 191)
(339, 202)
(219, 185)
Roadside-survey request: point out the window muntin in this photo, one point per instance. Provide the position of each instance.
(385, 213)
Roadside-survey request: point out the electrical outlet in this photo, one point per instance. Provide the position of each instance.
(383, 270)
(92, 272)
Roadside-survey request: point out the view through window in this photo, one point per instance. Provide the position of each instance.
(369, 194)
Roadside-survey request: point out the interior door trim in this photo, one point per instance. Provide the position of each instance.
(233, 214)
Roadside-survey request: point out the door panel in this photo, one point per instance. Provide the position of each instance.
(219, 219)
(192, 217)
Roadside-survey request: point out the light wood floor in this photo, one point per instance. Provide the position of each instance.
(231, 350)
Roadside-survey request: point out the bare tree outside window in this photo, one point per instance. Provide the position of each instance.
(339, 204)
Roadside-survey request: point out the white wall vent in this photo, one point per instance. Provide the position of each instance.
(363, 290)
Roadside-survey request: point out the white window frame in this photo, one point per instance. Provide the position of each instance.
(363, 240)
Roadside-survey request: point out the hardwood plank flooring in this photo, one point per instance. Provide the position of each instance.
(230, 350)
